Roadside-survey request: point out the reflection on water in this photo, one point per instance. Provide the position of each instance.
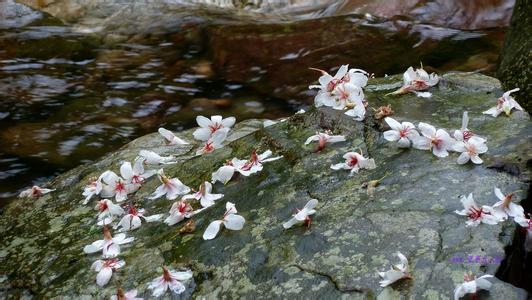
(68, 97)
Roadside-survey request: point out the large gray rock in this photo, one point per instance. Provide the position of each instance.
(353, 235)
(516, 55)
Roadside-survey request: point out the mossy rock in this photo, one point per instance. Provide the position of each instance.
(353, 235)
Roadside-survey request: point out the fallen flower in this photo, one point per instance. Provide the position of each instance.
(438, 141)
(34, 192)
(505, 205)
(169, 280)
(302, 215)
(504, 104)
(152, 158)
(418, 80)
(230, 220)
(109, 245)
(349, 96)
(107, 211)
(105, 269)
(372, 184)
(135, 176)
(223, 174)
(477, 215)
(323, 138)
(355, 161)
(132, 220)
(397, 272)
(178, 212)
(464, 133)
(204, 195)
(129, 295)
(255, 162)
(169, 187)
(189, 227)
(209, 127)
(170, 138)
(470, 150)
(402, 133)
(471, 285)
(115, 186)
(213, 143)
(383, 111)
(526, 223)
(93, 188)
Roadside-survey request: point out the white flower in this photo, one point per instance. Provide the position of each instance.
(302, 215)
(169, 187)
(476, 215)
(418, 80)
(115, 186)
(209, 127)
(505, 205)
(471, 285)
(328, 83)
(323, 138)
(470, 150)
(132, 220)
(402, 133)
(350, 96)
(464, 133)
(215, 142)
(204, 195)
(109, 245)
(152, 158)
(396, 273)
(135, 176)
(178, 212)
(254, 164)
(170, 138)
(224, 173)
(129, 295)
(34, 192)
(230, 220)
(107, 211)
(526, 223)
(105, 269)
(93, 188)
(504, 104)
(169, 280)
(437, 140)
(354, 161)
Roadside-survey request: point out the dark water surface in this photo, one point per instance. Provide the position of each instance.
(69, 97)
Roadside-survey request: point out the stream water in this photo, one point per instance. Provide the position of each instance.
(69, 95)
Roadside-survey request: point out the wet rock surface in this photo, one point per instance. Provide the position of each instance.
(353, 235)
(467, 15)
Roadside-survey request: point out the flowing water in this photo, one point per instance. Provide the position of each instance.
(70, 94)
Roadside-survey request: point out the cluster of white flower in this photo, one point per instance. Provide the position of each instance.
(343, 91)
(438, 141)
(212, 133)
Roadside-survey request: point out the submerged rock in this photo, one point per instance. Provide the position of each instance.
(353, 235)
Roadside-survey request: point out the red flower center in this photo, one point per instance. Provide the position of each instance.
(353, 161)
(475, 213)
(467, 134)
(120, 186)
(214, 127)
(419, 84)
